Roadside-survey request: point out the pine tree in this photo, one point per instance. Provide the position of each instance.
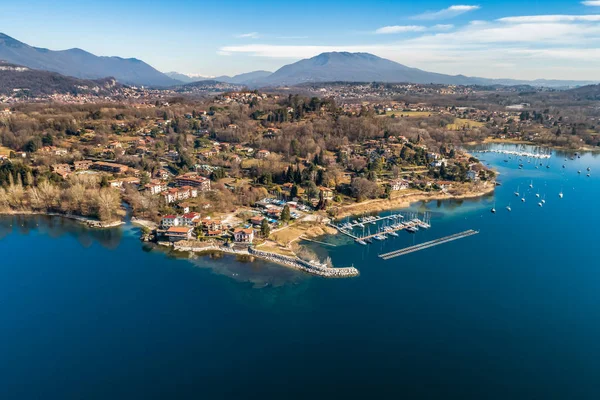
(285, 214)
(265, 229)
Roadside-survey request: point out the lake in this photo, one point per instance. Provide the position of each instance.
(513, 312)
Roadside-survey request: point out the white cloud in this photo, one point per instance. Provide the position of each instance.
(399, 29)
(450, 12)
(520, 47)
(551, 18)
(250, 35)
(591, 3)
(442, 27)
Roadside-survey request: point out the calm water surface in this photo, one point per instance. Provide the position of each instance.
(513, 312)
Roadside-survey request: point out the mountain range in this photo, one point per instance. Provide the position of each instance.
(81, 64)
(325, 67)
(26, 82)
(248, 78)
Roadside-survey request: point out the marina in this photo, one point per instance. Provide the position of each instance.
(426, 245)
(385, 226)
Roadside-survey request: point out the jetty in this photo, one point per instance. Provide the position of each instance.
(390, 225)
(426, 245)
(311, 267)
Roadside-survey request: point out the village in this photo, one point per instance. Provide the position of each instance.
(249, 169)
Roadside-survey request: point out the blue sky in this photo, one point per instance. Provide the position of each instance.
(495, 39)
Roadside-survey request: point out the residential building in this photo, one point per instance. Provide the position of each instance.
(194, 180)
(262, 154)
(82, 165)
(243, 235)
(177, 233)
(399, 184)
(61, 169)
(110, 167)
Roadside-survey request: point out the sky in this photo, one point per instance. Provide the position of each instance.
(491, 39)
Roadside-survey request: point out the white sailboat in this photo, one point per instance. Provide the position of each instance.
(517, 192)
(531, 185)
(508, 207)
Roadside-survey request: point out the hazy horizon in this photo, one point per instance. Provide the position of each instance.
(510, 40)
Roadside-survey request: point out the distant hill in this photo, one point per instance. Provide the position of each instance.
(185, 78)
(365, 67)
(81, 64)
(248, 78)
(26, 82)
(590, 92)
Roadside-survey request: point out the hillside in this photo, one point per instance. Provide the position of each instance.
(81, 64)
(355, 67)
(34, 83)
(364, 67)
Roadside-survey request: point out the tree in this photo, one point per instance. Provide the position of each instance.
(285, 214)
(265, 229)
(294, 192)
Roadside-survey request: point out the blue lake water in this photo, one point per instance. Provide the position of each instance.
(513, 312)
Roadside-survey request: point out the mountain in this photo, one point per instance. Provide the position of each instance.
(185, 78)
(81, 64)
(20, 81)
(365, 67)
(248, 78)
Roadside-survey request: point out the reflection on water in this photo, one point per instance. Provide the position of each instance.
(242, 269)
(55, 227)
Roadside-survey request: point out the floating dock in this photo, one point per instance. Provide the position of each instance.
(427, 245)
(398, 225)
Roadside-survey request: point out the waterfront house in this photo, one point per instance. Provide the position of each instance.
(177, 233)
(326, 193)
(243, 235)
(399, 184)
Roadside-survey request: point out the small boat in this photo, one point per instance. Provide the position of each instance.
(540, 204)
(564, 166)
(369, 241)
(523, 199)
(393, 233)
(589, 169)
(493, 210)
(517, 192)
(411, 229)
(561, 194)
(531, 185)
(508, 208)
(548, 166)
(579, 172)
(588, 175)
(362, 242)
(378, 237)
(537, 194)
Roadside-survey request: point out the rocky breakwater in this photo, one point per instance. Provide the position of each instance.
(311, 267)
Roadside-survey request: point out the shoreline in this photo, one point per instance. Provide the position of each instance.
(380, 205)
(585, 148)
(313, 268)
(91, 223)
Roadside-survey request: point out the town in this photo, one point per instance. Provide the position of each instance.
(254, 169)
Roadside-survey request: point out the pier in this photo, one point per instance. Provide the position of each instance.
(427, 245)
(396, 223)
